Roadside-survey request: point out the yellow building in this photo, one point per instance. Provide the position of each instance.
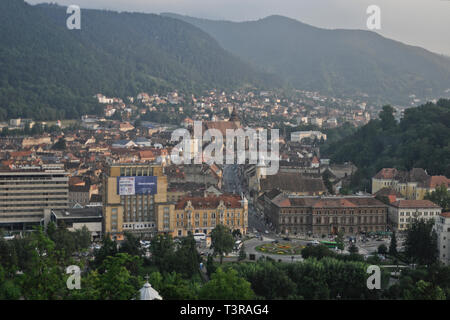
(203, 214)
(131, 196)
(413, 185)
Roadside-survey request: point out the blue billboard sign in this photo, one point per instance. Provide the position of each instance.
(129, 186)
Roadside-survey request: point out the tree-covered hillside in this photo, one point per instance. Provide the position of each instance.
(336, 62)
(50, 72)
(420, 140)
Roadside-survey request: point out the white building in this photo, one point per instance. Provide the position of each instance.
(300, 135)
(442, 228)
(317, 122)
(124, 144)
(102, 99)
(403, 212)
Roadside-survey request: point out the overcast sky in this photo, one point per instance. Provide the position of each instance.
(425, 23)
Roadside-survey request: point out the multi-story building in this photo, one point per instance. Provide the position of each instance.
(294, 183)
(300, 135)
(324, 215)
(442, 228)
(76, 219)
(131, 196)
(403, 212)
(203, 214)
(28, 194)
(413, 185)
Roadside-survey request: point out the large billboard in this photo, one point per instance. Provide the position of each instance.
(129, 186)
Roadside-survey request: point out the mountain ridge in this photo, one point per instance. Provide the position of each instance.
(334, 61)
(48, 72)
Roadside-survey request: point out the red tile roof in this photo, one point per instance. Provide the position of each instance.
(211, 202)
(414, 204)
(436, 181)
(386, 173)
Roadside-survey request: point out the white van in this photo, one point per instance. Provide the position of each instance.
(199, 236)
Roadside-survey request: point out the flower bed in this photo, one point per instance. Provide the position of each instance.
(280, 248)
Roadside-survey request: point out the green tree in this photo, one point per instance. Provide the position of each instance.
(108, 249)
(421, 242)
(162, 249)
(131, 245)
(340, 240)
(187, 258)
(8, 256)
(425, 291)
(222, 241)
(8, 288)
(353, 249)
(393, 245)
(317, 252)
(60, 144)
(172, 286)
(226, 285)
(82, 238)
(441, 197)
(44, 278)
(382, 249)
(387, 118)
(116, 282)
(242, 254)
(326, 180)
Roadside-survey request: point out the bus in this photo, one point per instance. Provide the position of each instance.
(329, 244)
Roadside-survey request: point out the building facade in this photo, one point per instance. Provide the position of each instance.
(76, 219)
(413, 185)
(203, 214)
(403, 212)
(28, 193)
(442, 228)
(131, 196)
(324, 215)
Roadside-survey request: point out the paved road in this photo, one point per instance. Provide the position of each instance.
(231, 180)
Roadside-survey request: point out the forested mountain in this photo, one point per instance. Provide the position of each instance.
(50, 72)
(338, 62)
(420, 140)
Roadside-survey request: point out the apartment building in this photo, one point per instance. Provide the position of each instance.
(131, 196)
(442, 228)
(403, 212)
(28, 194)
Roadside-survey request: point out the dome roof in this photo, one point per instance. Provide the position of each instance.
(148, 293)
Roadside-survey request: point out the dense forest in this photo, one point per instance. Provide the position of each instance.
(420, 140)
(335, 62)
(48, 72)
